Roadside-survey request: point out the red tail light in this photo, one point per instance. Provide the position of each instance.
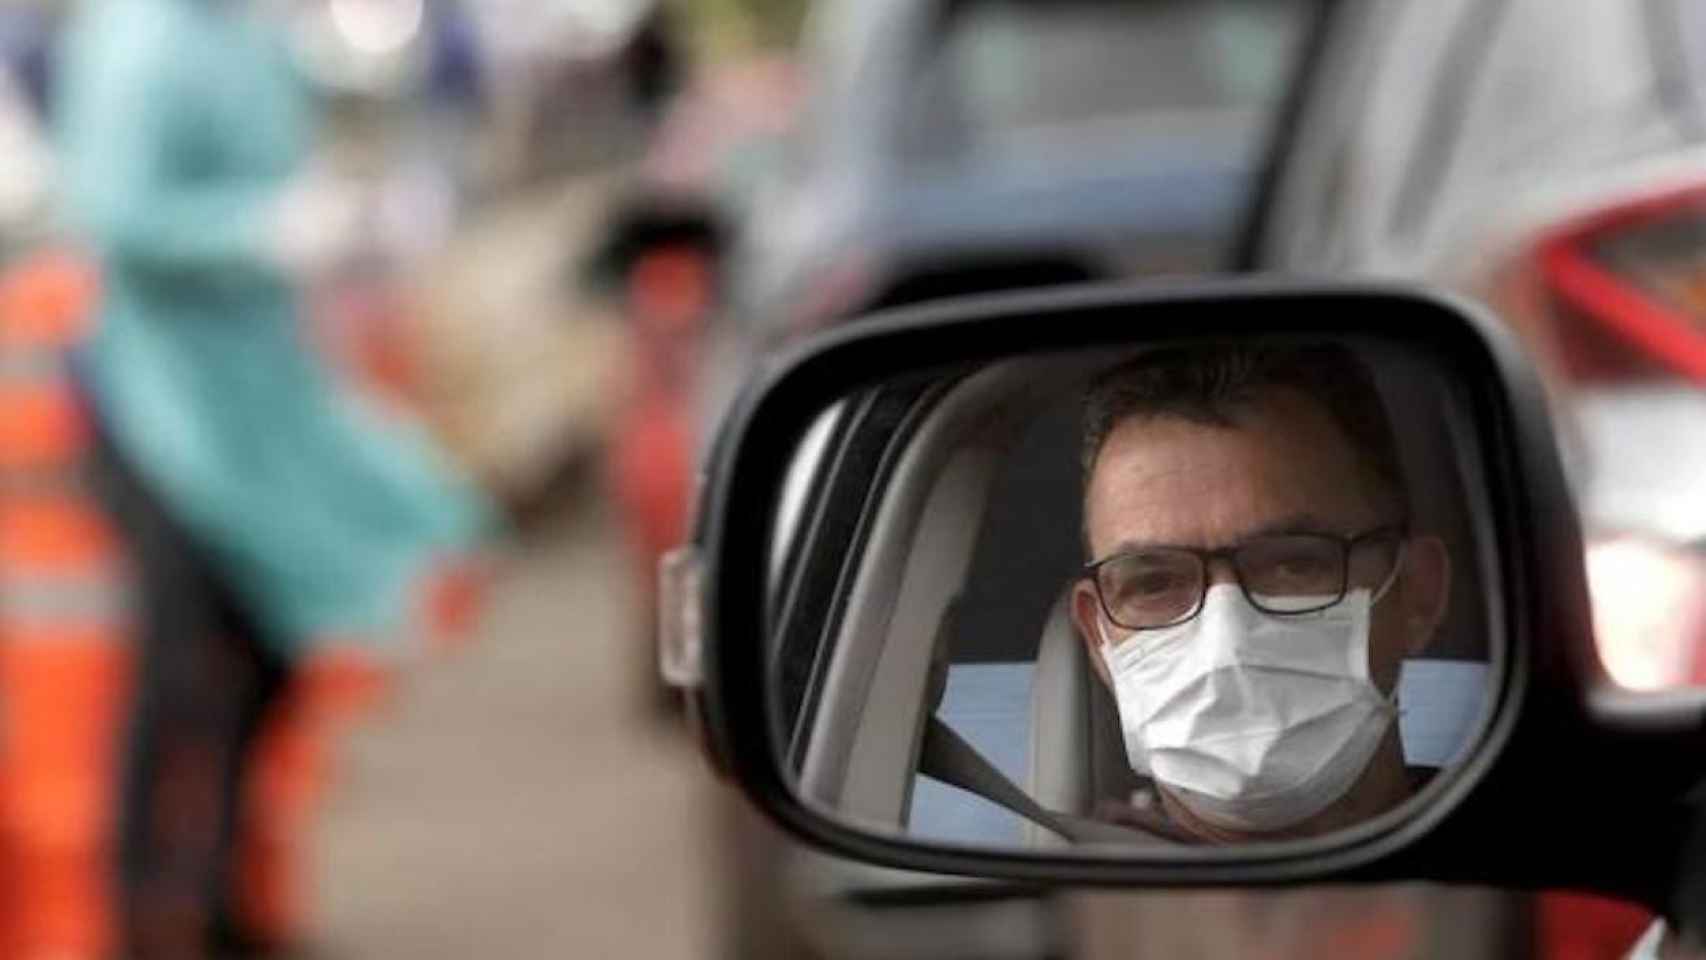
(1633, 278)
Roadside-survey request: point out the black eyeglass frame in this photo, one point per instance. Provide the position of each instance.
(1399, 531)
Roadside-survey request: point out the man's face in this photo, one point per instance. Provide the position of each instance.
(1282, 466)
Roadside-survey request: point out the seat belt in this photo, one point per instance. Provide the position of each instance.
(947, 757)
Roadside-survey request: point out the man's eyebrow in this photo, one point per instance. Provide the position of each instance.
(1300, 522)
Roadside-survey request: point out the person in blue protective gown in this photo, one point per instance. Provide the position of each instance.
(264, 505)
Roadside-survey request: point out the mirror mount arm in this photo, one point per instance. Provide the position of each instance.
(1495, 794)
(681, 619)
(681, 645)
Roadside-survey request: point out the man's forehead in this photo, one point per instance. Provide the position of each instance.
(1171, 480)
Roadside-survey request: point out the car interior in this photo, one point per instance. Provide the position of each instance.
(951, 604)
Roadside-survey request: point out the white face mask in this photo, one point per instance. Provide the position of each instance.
(1254, 722)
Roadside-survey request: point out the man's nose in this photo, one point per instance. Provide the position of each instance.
(1220, 571)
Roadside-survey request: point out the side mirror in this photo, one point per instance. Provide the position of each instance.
(1245, 583)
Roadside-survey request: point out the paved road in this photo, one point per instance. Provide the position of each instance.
(515, 802)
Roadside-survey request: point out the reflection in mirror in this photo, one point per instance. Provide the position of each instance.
(1212, 594)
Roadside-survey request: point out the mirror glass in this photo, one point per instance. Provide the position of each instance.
(1147, 599)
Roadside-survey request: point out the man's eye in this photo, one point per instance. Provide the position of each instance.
(1299, 568)
(1154, 582)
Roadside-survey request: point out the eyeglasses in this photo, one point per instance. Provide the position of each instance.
(1285, 574)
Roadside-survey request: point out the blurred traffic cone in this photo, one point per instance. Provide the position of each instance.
(287, 778)
(671, 288)
(293, 768)
(64, 652)
(651, 472)
(62, 703)
(47, 301)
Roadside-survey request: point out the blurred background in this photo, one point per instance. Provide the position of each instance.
(547, 238)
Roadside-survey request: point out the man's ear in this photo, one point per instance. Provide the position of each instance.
(1426, 590)
(1086, 614)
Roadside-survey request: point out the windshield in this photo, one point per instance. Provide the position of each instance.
(1002, 70)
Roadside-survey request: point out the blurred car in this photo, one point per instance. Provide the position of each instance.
(981, 145)
(1551, 163)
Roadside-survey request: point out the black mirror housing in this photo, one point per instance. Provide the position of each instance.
(1574, 784)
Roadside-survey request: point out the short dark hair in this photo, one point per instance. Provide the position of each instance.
(1210, 383)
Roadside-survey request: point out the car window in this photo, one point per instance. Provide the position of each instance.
(989, 704)
(846, 450)
(1001, 70)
